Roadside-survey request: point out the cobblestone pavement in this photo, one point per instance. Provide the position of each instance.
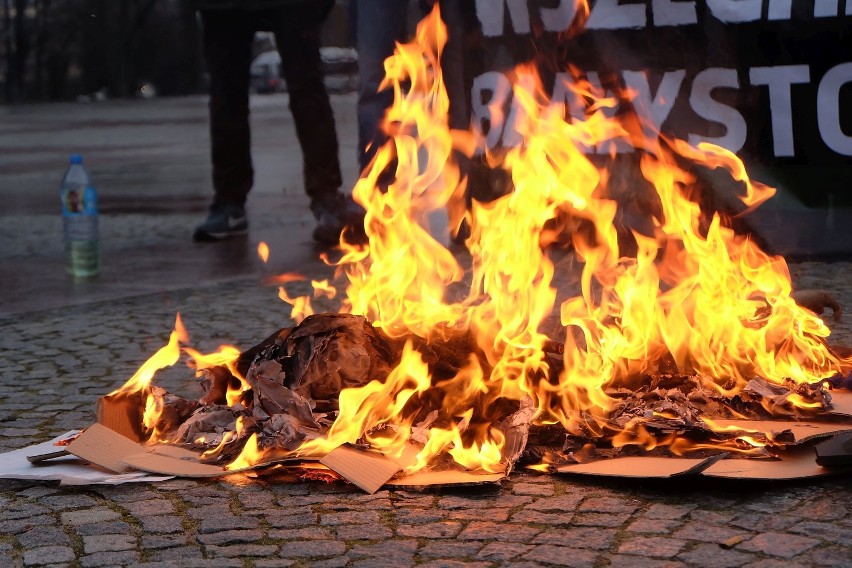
(57, 358)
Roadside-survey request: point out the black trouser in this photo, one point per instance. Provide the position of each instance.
(227, 49)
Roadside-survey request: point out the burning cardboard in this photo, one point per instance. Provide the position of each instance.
(662, 325)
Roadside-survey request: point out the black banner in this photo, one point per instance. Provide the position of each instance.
(768, 79)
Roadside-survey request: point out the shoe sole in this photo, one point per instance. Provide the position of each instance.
(206, 236)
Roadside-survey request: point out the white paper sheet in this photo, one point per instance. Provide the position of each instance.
(68, 470)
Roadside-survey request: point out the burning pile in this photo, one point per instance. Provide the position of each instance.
(676, 326)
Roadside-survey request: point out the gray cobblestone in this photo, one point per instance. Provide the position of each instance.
(312, 549)
(88, 516)
(562, 556)
(48, 555)
(779, 544)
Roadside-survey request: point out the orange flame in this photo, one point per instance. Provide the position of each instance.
(166, 356)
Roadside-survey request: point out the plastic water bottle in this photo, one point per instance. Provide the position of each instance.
(80, 217)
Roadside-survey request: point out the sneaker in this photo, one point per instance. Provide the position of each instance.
(223, 222)
(334, 214)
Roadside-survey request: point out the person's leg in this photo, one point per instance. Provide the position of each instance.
(378, 23)
(298, 42)
(227, 51)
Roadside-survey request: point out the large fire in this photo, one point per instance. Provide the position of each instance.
(688, 296)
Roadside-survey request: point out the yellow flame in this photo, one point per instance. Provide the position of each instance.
(263, 251)
(166, 356)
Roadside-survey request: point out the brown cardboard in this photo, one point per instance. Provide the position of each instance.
(170, 465)
(798, 463)
(368, 470)
(122, 413)
(640, 466)
(841, 402)
(447, 478)
(104, 447)
(802, 431)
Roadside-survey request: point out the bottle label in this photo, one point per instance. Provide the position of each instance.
(79, 200)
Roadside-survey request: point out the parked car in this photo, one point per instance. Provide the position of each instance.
(265, 73)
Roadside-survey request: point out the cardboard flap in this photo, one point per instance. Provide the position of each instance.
(171, 465)
(640, 466)
(841, 402)
(104, 447)
(799, 463)
(368, 470)
(802, 431)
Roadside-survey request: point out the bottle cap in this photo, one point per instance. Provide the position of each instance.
(75, 159)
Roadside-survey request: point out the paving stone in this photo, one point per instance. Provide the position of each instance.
(109, 527)
(398, 562)
(486, 530)
(165, 524)
(502, 551)
(779, 544)
(666, 511)
(709, 555)
(824, 509)
(535, 489)
(48, 555)
(446, 563)
(765, 523)
(449, 549)
(609, 505)
(107, 542)
(774, 563)
(651, 546)
(627, 561)
(506, 501)
(562, 556)
(153, 541)
(577, 537)
(599, 520)
(541, 518)
(274, 563)
(88, 516)
(829, 532)
(349, 517)
(22, 511)
(241, 550)
(257, 500)
(836, 557)
(445, 529)
(338, 562)
(181, 555)
(150, 508)
(364, 532)
(707, 533)
(654, 526)
(499, 514)
(561, 503)
(418, 516)
(229, 537)
(22, 525)
(402, 549)
(223, 523)
(110, 558)
(40, 535)
(303, 533)
(312, 549)
(68, 501)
